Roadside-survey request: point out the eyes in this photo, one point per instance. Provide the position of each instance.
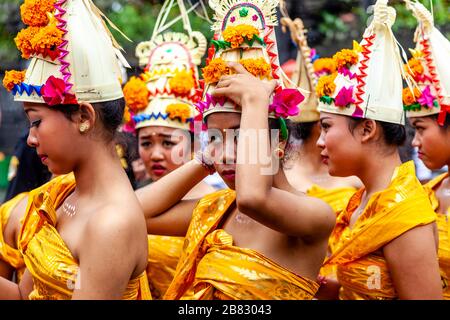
(165, 143)
(325, 126)
(35, 123)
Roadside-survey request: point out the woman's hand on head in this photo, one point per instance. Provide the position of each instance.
(243, 88)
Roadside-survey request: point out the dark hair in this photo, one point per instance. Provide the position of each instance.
(109, 113)
(302, 130)
(393, 134)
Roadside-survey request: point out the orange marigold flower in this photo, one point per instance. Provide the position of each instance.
(345, 58)
(257, 67)
(13, 77)
(179, 111)
(136, 94)
(48, 38)
(34, 12)
(214, 70)
(409, 98)
(182, 83)
(23, 41)
(236, 35)
(327, 65)
(415, 67)
(326, 85)
(126, 115)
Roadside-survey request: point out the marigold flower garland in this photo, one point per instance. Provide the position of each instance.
(136, 94)
(218, 68)
(179, 111)
(345, 58)
(34, 12)
(13, 77)
(182, 83)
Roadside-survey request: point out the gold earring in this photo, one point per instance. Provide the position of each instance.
(279, 153)
(83, 127)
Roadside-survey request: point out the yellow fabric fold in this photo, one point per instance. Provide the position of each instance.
(50, 262)
(444, 234)
(219, 270)
(163, 255)
(338, 199)
(402, 206)
(9, 254)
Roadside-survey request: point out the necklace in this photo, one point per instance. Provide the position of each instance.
(69, 209)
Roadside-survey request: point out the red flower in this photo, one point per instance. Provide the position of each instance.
(285, 103)
(53, 92)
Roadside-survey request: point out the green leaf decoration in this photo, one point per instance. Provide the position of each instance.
(250, 42)
(436, 103)
(220, 44)
(243, 12)
(327, 99)
(283, 129)
(257, 38)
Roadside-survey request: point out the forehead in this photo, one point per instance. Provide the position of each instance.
(36, 107)
(223, 120)
(155, 131)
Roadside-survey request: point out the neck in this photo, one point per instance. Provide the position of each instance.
(98, 168)
(376, 172)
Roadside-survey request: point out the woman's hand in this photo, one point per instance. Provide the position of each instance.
(243, 88)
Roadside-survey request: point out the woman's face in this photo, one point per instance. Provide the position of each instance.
(54, 136)
(162, 150)
(340, 149)
(224, 147)
(432, 142)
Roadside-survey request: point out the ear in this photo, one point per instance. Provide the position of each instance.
(87, 115)
(368, 130)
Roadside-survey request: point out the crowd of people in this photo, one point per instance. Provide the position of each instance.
(253, 185)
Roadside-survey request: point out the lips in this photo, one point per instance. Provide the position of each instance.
(158, 170)
(43, 157)
(229, 175)
(325, 159)
(420, 155)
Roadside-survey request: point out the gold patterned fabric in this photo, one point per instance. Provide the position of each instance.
(219, 270)
(50, 262)
(338, 199)
(444, 234)
(163, 255)
(9, 254)
(361, 267)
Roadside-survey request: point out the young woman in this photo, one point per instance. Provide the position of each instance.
(260, 239)
(432, 135)
(78, 240)
(164, 124)
(386, 247)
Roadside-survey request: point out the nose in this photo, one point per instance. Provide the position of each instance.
(321, 141)
(415, 142)
(157, 153)
(32, 139)
(229, 151)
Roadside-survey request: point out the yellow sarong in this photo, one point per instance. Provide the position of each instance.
(337, 199)
(50, 262)
(361, 267)
(219, 270)
(163, 255)
(444, 234)
(9, 254)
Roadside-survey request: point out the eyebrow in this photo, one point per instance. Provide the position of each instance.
(163, 135)
(27, 110)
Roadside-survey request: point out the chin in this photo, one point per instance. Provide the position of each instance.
(433, 165)
(336, 172)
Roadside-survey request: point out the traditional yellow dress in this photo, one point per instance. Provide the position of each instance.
(361, 267)
(163, 255)
(50, 262)
(444, 234)
(219, 270)
(9, 254)
(338, 199)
